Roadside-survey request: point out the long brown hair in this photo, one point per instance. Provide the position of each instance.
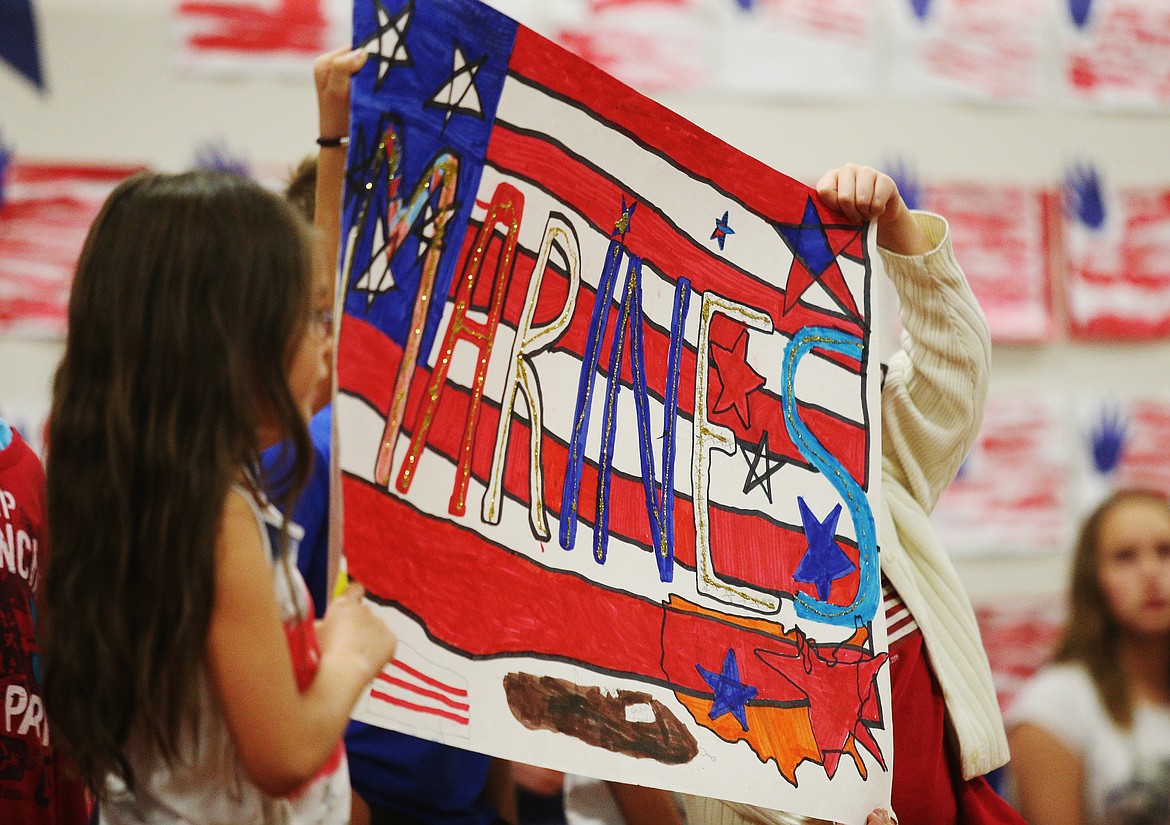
(190, 296)
(1091, 632)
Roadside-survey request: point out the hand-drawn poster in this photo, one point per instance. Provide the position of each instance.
(45, 213)
(985, 50)
(1012, 493)
(1123, 443)
(1117, 259)
(1115, 53)
(607, 426)
(273, 37)
(1001, 233)
(771, 47)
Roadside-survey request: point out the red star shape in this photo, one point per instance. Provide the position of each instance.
(736, 377)
(841, 693)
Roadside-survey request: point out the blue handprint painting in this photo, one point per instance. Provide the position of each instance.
(1107, 439)
(1079, 10)
(1083, 198)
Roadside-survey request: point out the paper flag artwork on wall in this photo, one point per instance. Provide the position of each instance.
(279, 37)
(1011, 496)
(1116, 248)
(992, 50)
(1020, 634)
(607, 425)
(1115, 53)
(767, 47)
(1002, 234)
(45, 214)
(1123, 442)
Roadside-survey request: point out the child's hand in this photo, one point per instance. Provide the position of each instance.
(331, 73)
(864, 194)
(881, 816)
(861, 193)
(350, 629)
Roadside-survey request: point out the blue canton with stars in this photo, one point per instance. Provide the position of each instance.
(731, 695)
(406, 67)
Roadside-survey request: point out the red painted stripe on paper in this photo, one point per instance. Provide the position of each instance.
(421, 691)
(422, 677)
(402, 703)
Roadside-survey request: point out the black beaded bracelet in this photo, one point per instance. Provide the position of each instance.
(333, 142)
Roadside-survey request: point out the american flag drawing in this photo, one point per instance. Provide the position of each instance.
(45, 213)
(247, 36)
(1117, 281)
(605, 421)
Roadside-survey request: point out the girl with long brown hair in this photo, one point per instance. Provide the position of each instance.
(1090, 735)
(183, 675)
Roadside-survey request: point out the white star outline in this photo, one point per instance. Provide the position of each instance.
(387, 44)
(458, 94)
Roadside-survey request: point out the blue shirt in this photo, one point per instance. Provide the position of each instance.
(432, 783)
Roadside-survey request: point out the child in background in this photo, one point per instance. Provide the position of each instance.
(183, 675)
(34, 789)
(1090, 734)
(947, 727)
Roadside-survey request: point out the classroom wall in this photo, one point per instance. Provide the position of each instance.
(115, 96)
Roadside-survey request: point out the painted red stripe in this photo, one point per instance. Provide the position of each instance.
(599, 199)
(760, 188)
(295, 25)
(766, 556)
(68, 173)
(402, 703)
(532, 610)
(421, 691)
(422, 677)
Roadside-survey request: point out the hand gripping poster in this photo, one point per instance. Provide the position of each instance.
(607, 425)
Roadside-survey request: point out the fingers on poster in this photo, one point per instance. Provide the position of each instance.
(598, 460)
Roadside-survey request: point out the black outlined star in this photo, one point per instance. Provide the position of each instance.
(815, 246)
(722, 230)
(387, 44)
(755, 478)
(458, 94)
(731, 694)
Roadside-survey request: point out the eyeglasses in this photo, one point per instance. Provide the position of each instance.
(323, 321)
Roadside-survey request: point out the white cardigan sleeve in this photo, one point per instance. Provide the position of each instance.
(936, 385)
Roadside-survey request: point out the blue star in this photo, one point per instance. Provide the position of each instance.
(722, 230)
(730, 693)
(622, 225)
(824, 562)
(808, 241)
(815, 246)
